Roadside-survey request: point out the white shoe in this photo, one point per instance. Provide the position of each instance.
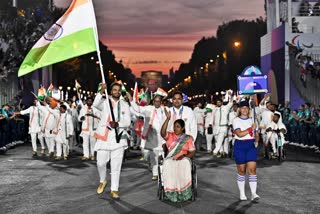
(255, 197)
(243, 198)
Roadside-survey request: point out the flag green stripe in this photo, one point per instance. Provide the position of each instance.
(73, 45)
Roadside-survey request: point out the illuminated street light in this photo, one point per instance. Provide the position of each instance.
(211, 60)
(74, 89)
(60, 88)
(236, 44)
(92, 58)
(68, 88)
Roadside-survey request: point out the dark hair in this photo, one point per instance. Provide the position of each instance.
(156, 97)
(219, 99)
(115, 84)
(308, 104)
(277, 114)
(268, 102)
(90, 98)
(177, 92)
(181, 123)
(64, 107)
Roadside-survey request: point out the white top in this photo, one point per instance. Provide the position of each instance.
(185, 113)
(35, 119)
(122, 117)
(242, 124)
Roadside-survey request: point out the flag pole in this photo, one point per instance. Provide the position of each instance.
(96, 38)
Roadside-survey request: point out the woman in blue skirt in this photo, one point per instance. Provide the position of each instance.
(245, 150)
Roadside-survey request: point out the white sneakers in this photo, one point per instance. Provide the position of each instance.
(255, 197)
(243, 198)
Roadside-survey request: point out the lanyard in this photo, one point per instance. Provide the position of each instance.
(118, 108)
(175, 114)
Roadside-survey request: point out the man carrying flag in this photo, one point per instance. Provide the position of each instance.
(111, 136)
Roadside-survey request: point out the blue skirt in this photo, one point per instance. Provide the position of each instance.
(245, 151)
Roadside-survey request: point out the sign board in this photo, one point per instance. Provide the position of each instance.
(251, 81)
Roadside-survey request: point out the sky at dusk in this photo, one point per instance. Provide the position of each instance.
(160, 34)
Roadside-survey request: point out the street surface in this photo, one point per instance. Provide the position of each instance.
(42, 185)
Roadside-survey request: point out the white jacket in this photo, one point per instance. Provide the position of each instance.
(49, 120)
(35, 119)
(90, 124)
(221, 118)
(64, 127)
(199, 114)
(106, 137)
(185, 113)
(155, 117)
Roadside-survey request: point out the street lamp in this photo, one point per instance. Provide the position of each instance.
(237, 44)
(68, 88)
(211, 60)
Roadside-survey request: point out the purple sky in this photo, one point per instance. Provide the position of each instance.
(159, 34)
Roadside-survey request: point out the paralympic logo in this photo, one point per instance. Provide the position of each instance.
(298, 45)
(54, 32)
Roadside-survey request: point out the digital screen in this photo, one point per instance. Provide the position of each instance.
(253, 84)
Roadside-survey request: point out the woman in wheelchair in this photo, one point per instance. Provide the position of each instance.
(177, 178)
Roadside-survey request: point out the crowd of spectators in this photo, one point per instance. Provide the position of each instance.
(13, 129)
(303, 124)
(308, 67)
(19, 31)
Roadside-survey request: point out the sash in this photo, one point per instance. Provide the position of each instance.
(179, 143)
(150, 124)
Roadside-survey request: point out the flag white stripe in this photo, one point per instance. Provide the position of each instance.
(78, 19)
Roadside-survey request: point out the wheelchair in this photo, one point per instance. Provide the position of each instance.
(194, 184)
(281, 152)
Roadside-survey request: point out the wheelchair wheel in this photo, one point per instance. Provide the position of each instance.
(194, 182)
(281, 153)
(161, 193)
(268, 153)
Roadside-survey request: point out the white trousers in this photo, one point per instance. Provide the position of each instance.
(154, 156)
(72, 141)
(62, 147)
(50, 143)
(221, 138)
(88, 145)
(273, 140)
(115, 157)
(34, 141)
(209, 138)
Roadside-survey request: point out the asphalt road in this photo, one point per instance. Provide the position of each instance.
(42, 185)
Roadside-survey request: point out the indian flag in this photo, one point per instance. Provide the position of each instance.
(135, 93)
(210, 107)
(41, 93)
(50, 89)
(161, 92)
(74, 34)
(123, 89)
(77, 85)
